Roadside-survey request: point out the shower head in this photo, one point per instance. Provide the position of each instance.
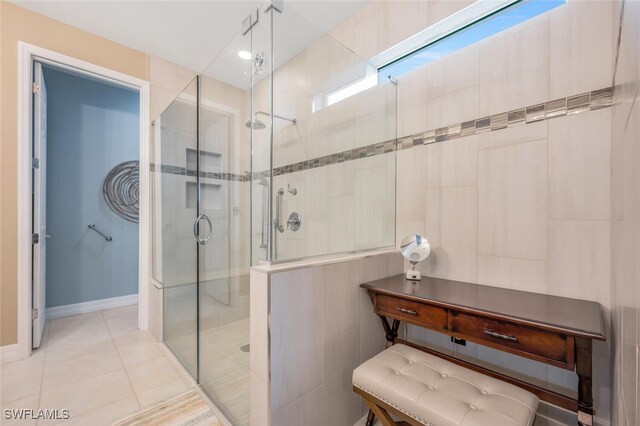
(255, 124)
(259, 125)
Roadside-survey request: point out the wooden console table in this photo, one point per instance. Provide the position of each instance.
(555, 330)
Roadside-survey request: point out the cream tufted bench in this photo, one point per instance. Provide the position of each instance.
(427, 390)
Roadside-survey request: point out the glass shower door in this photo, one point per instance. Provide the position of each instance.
(175, 208)
(224, 262)
(202, 213)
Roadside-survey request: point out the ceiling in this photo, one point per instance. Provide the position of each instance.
(193, 33)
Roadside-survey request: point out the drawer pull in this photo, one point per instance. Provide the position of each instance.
(407, 311)
(501, 336)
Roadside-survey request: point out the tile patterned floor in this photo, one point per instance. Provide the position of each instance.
(225, 368)
(97, 365)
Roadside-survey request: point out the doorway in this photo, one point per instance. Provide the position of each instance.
(29, 267)
(85, 190)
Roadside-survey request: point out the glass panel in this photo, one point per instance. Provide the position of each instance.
(334, 166)
(224, 262)
(174, 212)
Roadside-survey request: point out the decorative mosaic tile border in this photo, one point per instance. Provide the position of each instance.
(183, 171)
(597, 99)
(589, 101)
(340, 157)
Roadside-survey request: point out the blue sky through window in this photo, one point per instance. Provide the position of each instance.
(486, 27)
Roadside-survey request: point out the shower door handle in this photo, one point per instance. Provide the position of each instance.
(202, 241)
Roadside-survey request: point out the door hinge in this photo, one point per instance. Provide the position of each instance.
(35, 163)
(34, 313)
(36, 88)
(35, 238)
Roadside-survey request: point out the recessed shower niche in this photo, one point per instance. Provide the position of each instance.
(210, 162)
(210, 194)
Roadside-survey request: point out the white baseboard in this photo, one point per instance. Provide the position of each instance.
(92, 306)
(9, 353)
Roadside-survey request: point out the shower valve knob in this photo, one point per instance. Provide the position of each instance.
(294, 222)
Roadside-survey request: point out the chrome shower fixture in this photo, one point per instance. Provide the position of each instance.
(259, 125)
(257, 65)
(255, 124)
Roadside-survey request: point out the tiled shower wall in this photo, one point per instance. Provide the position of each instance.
(310, 155)
(625, 297)
(319, 326)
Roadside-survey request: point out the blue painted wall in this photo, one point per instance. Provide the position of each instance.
(91, 127)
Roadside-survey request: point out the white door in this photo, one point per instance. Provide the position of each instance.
(39, 203)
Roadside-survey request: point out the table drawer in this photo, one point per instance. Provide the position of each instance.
(418, 313)
(510, 335)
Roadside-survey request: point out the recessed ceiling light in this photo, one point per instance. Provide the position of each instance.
(244, 54)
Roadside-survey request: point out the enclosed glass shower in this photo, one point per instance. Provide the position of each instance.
(274, 152)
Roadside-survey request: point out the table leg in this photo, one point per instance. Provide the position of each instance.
(391, 331)
(584, 371)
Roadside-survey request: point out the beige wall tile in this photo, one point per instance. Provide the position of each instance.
(163, 73)
(579, 260)
(452, 232)
(519, 274)
(454, 107)
(161, 98)
(341, 299)
(580, 166)
(296, 363)
(513, 201)
(514, 69)
(440, 9)
(307, 410)
(260, 411)
(454, 72)
(371, 338)
(588, 66)
(452, 163)
(412, 102)
(258, 320)
(185, 76)
(513, 135)
(341, 406)
(411, 179)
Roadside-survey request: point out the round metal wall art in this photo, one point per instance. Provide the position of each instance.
(121, 190)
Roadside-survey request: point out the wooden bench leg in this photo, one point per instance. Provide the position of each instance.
(371, 417)
(381, 414)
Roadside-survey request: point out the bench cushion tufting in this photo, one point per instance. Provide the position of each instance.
(437, 392)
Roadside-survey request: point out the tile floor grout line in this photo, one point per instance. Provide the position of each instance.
(113, 340)
(104, 373)
(73, 339)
